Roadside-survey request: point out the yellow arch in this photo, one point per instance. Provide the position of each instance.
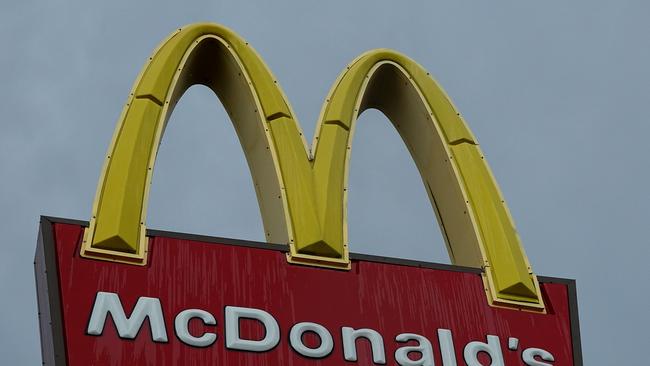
(303, 197)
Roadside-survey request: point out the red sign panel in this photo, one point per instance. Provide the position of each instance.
(213, 301)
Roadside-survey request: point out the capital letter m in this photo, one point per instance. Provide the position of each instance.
(127, 328)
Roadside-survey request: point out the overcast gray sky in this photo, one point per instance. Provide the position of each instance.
(557, 93)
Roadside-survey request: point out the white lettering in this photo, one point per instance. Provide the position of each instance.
(417, 351)
(182, 322)
(234, 341)
(446, 347)
(326, 341)
(513, 343)
(529, 355)
(350, 336)
(492, 348)
(424, 348)
(146, 307)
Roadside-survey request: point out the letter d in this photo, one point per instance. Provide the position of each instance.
(234, 341)
(492, 348)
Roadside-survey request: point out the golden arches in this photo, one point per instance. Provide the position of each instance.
(303, 197)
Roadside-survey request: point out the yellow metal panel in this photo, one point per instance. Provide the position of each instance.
(451, 123)
(178, 63)
(119, 209)
(499, 237)
(329, 179)
(303, 198)
(415, 103)
(165, 64)
(421, 134)
(298, 186)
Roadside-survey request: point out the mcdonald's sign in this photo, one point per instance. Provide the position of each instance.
(112, 292)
